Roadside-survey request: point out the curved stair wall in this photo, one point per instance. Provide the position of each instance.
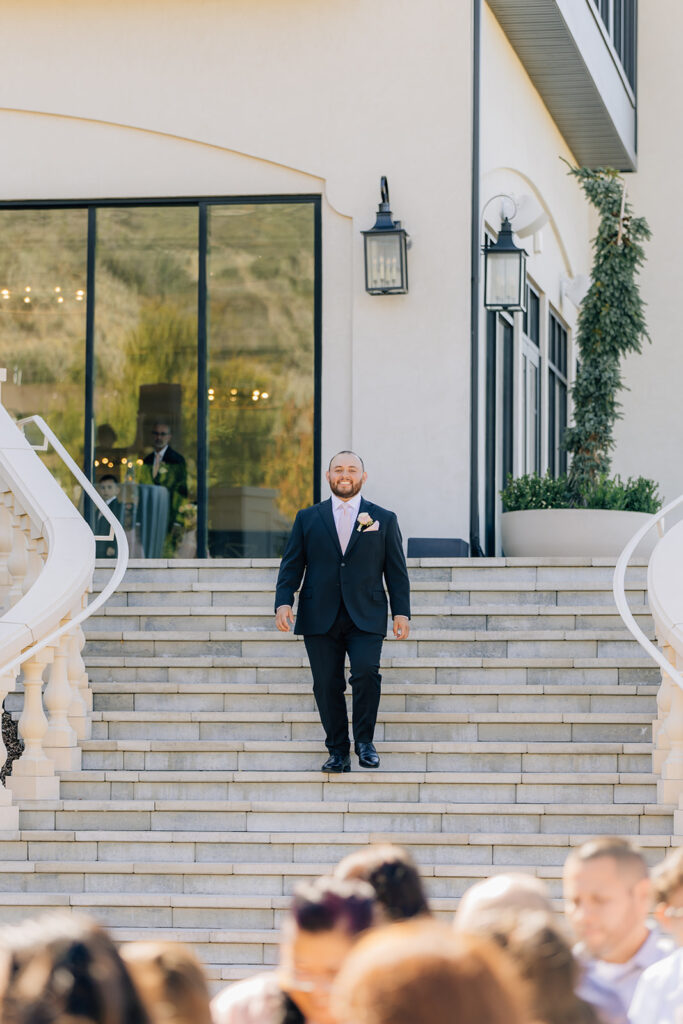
(47, 560)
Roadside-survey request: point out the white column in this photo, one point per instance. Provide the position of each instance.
(33, 775)
(9, 814)
(60, 742)
(670, 786)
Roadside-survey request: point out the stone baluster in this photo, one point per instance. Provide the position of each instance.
(33, 775)
(670, 785)
(60, 742)
(17, 564)
(9, 814)
(6, 538)
(33, 560)
(660, 736)
(80, 707)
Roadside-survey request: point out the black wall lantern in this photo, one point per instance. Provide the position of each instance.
(504, 272)
(386, 246)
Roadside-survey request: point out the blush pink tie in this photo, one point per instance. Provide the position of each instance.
(345, 526)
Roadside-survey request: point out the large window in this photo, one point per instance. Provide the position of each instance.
(557, 395)
(531, 383)
(620, 18)
(175, 349)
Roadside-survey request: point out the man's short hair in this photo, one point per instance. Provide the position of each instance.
(623, 852)
(667, 877)
(107, 476)
(346, 451)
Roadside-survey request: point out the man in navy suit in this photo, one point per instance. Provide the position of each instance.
(342, 548)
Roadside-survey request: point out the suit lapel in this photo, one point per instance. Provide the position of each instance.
(327, 515)
(353, 539)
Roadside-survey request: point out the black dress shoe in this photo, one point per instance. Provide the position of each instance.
(367, 755)
(337, 763)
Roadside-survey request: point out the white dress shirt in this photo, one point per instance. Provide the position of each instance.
(158, 459)
(659, 995)
(352, 505)
(622, 979)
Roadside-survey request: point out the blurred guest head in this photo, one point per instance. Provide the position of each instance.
(63, 967)
(394, 876)
(419, 972)
(170, 980)
(482, 904)
(608, 896)
(544, 962)
(667, 879)
(325, 920)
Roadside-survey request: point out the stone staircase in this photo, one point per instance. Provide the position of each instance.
(515, 721)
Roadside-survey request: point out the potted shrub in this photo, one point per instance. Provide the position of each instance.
(586, 512)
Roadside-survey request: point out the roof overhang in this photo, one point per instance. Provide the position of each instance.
(569, 57)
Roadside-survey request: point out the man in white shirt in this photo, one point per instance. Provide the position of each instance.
(608, 896)
(659, 994)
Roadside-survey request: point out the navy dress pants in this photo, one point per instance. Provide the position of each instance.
(326, 653)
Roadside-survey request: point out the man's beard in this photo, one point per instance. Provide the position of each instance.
(349, 492)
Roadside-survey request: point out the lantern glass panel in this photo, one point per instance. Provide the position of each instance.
(384, 264)
(504, 274)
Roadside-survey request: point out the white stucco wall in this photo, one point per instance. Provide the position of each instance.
(225, 97)
(649, 436)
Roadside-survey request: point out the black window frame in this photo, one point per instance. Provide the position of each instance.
(202, 205)
(558, 390)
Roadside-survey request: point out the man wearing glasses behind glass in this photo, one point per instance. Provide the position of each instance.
(165, 467)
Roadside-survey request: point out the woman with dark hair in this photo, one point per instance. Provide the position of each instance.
(394, 876)
(325, 920)
(63, 968)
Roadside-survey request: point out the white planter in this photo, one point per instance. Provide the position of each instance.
(573, 532)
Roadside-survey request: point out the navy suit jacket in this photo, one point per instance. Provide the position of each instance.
(313, 554)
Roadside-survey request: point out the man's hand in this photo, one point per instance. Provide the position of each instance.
(401, 627)
(283, 616)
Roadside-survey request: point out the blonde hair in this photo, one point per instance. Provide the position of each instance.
(170, 980)
(421, 972)
(667, 877)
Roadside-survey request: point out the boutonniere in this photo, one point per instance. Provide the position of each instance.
(366, 524)
(163, 469)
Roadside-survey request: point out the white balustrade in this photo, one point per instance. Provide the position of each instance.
(665, 599)
(47, 557)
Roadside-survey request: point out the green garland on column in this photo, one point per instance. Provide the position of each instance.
(611, 323)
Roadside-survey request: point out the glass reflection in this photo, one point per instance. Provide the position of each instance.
(146, 372)
(261, 374)
(43, 263)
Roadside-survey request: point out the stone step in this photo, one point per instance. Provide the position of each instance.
(160, 618)
(124, 905)
(361, 786)
(345, 815)
(395, 697)
(584, 643)
(585, 594)
(560, 726)
(159, 861)
(204, 668)
(483, 757)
